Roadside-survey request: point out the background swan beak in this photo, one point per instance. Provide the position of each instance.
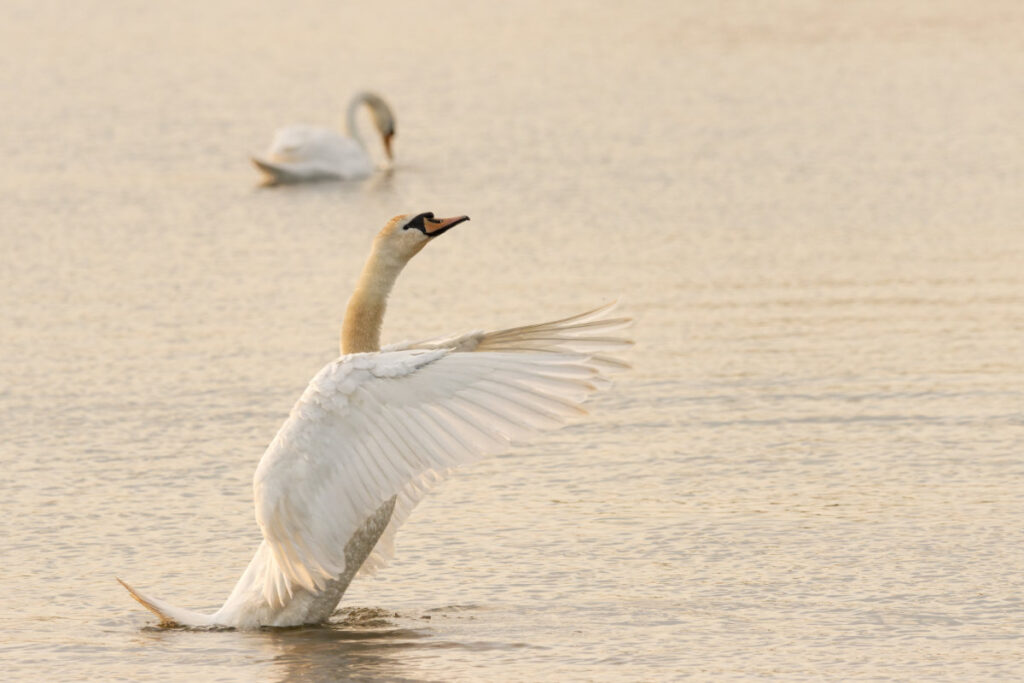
(435, 226)
(387, 146)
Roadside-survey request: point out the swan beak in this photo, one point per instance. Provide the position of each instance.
(433, 227)
(387, 146)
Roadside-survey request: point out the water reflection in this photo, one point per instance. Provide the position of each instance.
(360, 643)
(373, 644)
(381, 180)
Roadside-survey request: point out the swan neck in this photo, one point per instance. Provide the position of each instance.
(351, 121)
(360, 333)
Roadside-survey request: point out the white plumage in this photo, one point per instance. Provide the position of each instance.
(374, 430)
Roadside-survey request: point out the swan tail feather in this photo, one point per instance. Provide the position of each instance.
(168, 614)
(272, 172)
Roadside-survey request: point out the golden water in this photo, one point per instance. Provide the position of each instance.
(813, 210)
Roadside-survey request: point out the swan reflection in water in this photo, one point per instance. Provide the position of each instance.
(365, 644)
(360, 643)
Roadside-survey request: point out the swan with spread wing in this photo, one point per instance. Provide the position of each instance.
(376, 428)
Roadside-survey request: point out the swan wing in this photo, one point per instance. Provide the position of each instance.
(592, 333)
(303, 151)
(304, 143)
(377, 425)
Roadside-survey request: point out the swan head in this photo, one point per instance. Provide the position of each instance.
(404, 236)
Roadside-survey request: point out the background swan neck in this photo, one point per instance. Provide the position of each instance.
(351, 121)
(360, 332)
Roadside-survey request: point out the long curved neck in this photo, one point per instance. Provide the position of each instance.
(351, 122)
(365, 313)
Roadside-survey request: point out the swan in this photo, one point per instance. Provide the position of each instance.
(376, 428)
(299, 153)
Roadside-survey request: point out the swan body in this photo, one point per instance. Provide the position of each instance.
(376, 428)
(301, 153)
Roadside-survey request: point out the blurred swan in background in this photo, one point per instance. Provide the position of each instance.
(300, 153)
(376, 428)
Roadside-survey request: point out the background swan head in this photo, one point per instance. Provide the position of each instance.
(383, 118)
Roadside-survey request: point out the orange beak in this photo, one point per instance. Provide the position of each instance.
(387, 146)
(435, 226)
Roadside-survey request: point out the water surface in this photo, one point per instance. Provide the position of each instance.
(813, 211)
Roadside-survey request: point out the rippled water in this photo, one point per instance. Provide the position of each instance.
(812, 209)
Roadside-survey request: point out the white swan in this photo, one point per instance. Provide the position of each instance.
(300, 153)
(377, 428)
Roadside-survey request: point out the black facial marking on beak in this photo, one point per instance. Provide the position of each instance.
(417, 222)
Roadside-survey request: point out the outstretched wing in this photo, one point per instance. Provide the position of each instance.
(593, 333)
(377, 425)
